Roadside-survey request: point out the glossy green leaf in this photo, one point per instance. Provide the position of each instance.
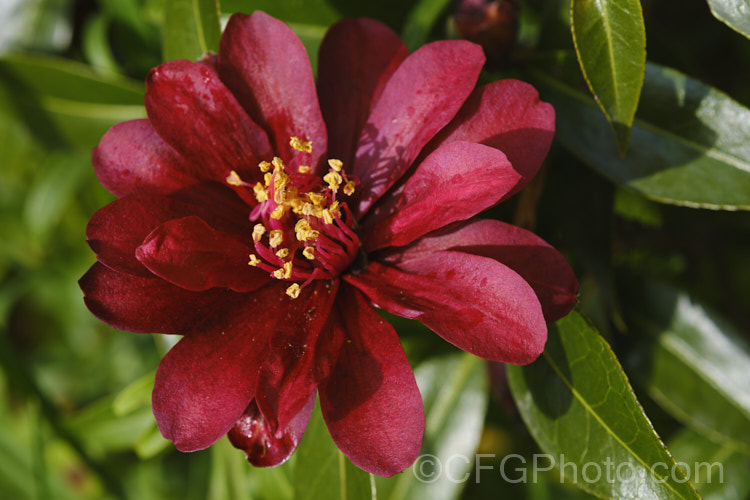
(716, 469)
(689, 145)
(610, 42)
(191, 28)
(733, 13)
(577, 403)
(455, 395)
(692, 362)
(321, 471)
(420, 21)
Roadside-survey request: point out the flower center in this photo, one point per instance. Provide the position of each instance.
(303, 232)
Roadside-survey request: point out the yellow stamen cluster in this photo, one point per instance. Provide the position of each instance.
(277, 187)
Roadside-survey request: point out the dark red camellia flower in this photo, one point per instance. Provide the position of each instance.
(264, 218)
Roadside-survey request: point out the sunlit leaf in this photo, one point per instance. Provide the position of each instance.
(580, 408)
(191, 28)
(689, 145)
(734, 13)
(692, 362)
(610, 42)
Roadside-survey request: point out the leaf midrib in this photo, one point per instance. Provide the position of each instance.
(609, 431)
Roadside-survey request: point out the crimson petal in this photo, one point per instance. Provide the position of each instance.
(300, 349)
(475, 303)
(455, 182)
(205, 383)
(509, 116)
(348, 83)
(421, 97)
(194, 112)
(116, 230)
(191, 254)
(132, 159)
(149, 305)
(543, 267)
(263, 447)
(266, 66)
(370, 402)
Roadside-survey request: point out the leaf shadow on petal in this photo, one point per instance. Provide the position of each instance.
(551, 395)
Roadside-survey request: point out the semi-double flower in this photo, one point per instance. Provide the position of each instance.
(264, 218)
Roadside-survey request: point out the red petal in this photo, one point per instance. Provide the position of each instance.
(509, 116)
(263, 447)
(266, 66)
(371, 402)
(473, 302)
(191, 254)
(206, 381)
(543, 267)
(148, 305)
(116, 230)
(132, 159)
(298, 356)
(357, 57)
(454, 183)
(195, 113)
(421, 97)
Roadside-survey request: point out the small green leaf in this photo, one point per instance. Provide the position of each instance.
(692, 362)
(610, 42)
(733, 13)
(580, 408)
(455, 395)
(191, 28)
(690, 143)
(420, 21)
(315, 12)
(321, 471)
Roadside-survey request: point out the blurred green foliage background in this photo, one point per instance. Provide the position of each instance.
(75, 417)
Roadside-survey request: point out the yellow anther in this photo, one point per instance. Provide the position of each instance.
(304, 232)
(258, 231)
(317, 199)
(267, 178)
(254, 261)
(282, 253)
(303, 169)
(283, 272)
(327, 217)
(293, 290)
(309, 253)
(275, 237)
(233, 179)
(349, 188)
(260, 192)
(278, 212)
(334, 180)
(264, 166)
(335, 164)
(278, 163)
(296, 143)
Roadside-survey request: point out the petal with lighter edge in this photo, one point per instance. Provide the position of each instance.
(475, 303)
